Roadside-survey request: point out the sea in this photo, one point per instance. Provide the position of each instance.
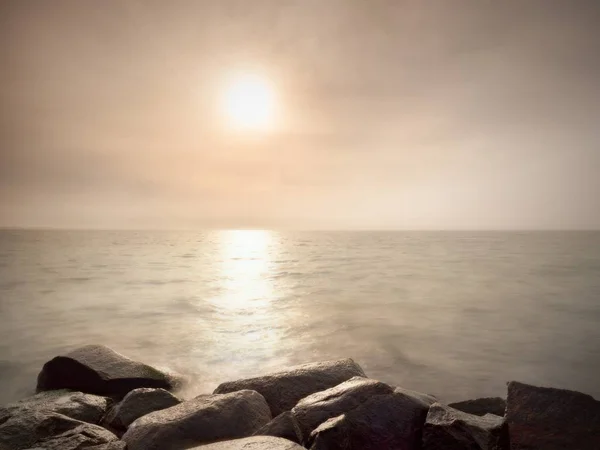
(453, 314)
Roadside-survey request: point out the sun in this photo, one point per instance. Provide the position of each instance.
(249, 103)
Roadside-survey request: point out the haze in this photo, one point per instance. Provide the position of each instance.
(391, 114)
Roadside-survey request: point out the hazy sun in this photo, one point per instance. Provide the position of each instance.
(249, 103)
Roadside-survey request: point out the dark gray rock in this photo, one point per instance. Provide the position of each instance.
(482, 406)
(115, 445)
(388, 421)
(97, 369)
(447, 428)
(426, 399)
(284, 426)
(84, 436)
(138, 403)
(315, 409)
(46, 429)
(549, 419)
(77, 405)
(333, 432)
(205, 419)
(252, 443)
(284, 389)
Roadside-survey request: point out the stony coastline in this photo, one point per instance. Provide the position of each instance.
(95, 398)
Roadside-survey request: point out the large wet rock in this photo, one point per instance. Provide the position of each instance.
(77, 405)
(447, 428)
(205, 419)
(284, 426)
(82, 437)
(315, 409)
(253, 443)
(97, 369)
(482, 406)
(549, 418)
(115, 445)
(386, 421)
(284, 389)
(138, 403)
(49, 430)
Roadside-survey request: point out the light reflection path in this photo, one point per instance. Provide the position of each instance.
(249, 328)
(246, 260)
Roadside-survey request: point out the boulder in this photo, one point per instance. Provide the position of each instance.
(447, 428)
(81, 437)
(205, 419)
(97, 369)
(482, 406)
(76, 405)
(334, 432)
(283, 426)
(114, 445)
(549, 418)
(284, 389)
(138, 403)
(389, 421)
(315, 409)
(253, 443)
(49, 430)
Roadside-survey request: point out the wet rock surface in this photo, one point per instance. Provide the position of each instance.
(321, 406)
(541, 418)
(282, 390)
(283, 426)
(205, 419)
(82, 437)
(138, 403)
(97, 369)
(315, 409)
(76, 405)
(392, 420)
(447, 428)
(253, 443)
(30, 428)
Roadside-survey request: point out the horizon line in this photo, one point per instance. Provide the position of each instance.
(283, 229)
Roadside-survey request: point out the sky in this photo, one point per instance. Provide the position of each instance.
(391, 114)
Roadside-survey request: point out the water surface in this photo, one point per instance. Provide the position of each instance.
(454, 314)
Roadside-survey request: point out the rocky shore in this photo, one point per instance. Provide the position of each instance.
(95, 398)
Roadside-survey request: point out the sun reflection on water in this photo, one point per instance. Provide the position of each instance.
(245, 268)
(248, 327)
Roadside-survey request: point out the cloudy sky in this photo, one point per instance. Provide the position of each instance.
(390, 114)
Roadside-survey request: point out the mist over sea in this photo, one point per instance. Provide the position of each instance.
(453, 314)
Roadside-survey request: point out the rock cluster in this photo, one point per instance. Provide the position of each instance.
(96, 399)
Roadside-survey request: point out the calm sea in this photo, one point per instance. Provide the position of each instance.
(453, 314)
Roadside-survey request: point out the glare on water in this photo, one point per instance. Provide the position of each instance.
(245, 260)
